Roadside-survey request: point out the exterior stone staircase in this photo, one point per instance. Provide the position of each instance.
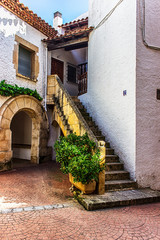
(116, 178)
(70, 119)
(120, 190)
(114, 186)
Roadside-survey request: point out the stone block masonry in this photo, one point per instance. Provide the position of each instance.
(39, 136)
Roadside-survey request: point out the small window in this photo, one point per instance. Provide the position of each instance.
(72, 74)
(25, 59)
(24, 62)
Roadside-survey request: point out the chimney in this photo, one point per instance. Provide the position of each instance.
(57, 20)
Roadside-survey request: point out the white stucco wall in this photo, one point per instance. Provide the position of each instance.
(9, 26)
(147, 106)
(111, 70)
(22, 153)
(74, 57)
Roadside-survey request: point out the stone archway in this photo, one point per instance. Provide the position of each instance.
(35, 110)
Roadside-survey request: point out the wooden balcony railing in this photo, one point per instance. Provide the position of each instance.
(82, 84)
(83, 67)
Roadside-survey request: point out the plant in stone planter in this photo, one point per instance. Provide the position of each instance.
(79, 157)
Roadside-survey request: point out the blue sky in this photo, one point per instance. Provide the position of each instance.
(70, 9)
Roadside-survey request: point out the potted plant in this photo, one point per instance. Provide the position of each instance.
(78, 157)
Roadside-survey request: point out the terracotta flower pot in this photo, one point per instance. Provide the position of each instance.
(85, 188)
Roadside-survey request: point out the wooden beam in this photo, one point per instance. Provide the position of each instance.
(73, 42)
(76, 46)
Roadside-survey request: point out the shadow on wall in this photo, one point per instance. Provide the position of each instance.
(10, 25)
(54, 131)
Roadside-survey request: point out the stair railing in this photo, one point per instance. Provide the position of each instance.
(70, 119)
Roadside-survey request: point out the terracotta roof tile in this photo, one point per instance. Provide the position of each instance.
(28, 16)
(76, 22)
(72, 30)
(71, 34)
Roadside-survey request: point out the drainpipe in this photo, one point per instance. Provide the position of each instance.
(45, 84)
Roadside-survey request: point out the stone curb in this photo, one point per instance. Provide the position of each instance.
(35, 208)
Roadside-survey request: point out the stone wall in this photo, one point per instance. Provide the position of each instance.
(36, 112)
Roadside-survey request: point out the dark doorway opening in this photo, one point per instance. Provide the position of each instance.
(57, 67)
(21, 127)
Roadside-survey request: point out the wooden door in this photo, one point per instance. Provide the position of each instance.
(57, 67)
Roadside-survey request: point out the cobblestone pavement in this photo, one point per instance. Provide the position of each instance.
(35, 185)
(135, 222)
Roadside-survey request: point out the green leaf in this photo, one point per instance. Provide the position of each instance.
(10, 90)
(77, 155)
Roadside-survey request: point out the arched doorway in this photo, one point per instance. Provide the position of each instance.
(21, 127)
(39, 137)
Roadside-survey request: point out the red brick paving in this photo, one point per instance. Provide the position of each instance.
(135, 223)
(36, 185)
(45, 184)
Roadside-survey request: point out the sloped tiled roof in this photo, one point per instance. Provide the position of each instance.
(69, 34)
(28, 16)
(74, 29)
(75, 35)
(83, 21)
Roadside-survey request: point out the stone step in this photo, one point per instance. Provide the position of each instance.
(91, 124)
(85, 114)
(75, 99)
(80, 107)
(116, 175)
(109, 151)
(107, 144)
(94, 128)
(119, 185)
(96, 131)
(88, 118)
(100, 138)
(112, 158)
(78, 103)
(119, 199)
(115, 166)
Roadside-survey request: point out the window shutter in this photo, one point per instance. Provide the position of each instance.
(24, 62)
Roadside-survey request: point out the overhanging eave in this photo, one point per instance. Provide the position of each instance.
(69, 45)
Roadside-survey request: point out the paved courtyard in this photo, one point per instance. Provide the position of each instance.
(33, 185)
(44, 185)
(136, 223)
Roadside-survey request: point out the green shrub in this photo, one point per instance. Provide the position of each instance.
(10, 90)
(78, 156)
